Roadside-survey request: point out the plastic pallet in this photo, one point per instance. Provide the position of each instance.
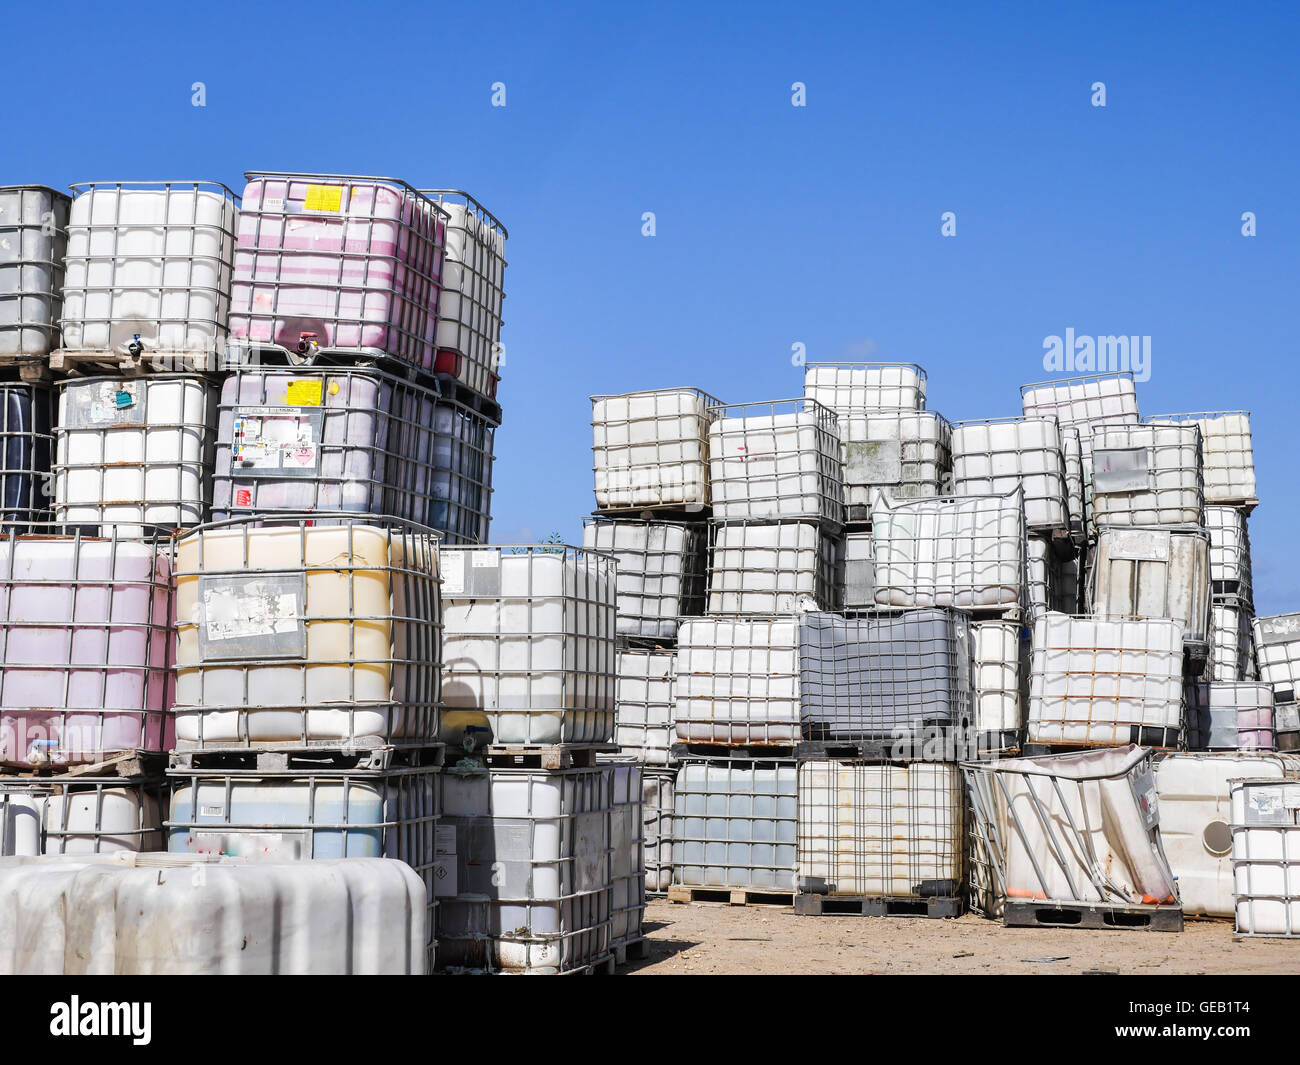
(746, 752)
(1091, 915)
(287, 758)
(876, 906)
(1155, 738)
(688, 513)
(544, 756)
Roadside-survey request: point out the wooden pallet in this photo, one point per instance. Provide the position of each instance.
(683, 893)
(876, 906)
(545, 756)
(27, 369)
(1017, 913)
(283, 758)
(126, 765)
(75, 363)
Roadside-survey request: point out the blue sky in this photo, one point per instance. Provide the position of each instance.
(775, 224)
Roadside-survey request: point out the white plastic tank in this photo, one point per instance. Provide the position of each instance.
(1154, 573)
(657, 799)
(1105, 681)
(737, 681)
(998, 456)
(892, 830)
(529, 641)
(317, 635)
(773, 567)
(1146, 475)
(134, 452)
(33, 243)
(1266, 856)
(874, 385)
(1228, 459)
(661, 571)
(1277, 652)
(1075, 493)
(651, 449)
(627, 854)
(153, 261)
(173, 915)
(80, 815)
(735, 825)
(904, 453)
(1229, 716)
(966, 552)
(859, 570)
(998, 676)
(776, 460)
(1083, 403)
(1231, 654)
(645, 723)
(1229, 549)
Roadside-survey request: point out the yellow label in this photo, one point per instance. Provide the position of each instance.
(303, 394)
(323, 198)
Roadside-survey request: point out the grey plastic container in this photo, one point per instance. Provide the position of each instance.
(33, 245)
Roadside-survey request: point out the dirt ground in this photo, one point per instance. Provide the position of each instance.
(711, 938)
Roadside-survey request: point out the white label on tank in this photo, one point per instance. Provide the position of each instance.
(230, 615)
(212, 811)
(1282, 629)
(105, 403)
(286, 845)
(452, 565)
(1264, 806)
(1142, 545)
(252, 616)
(486, 559)
(1121, 470)
(283, 440)
(444, 839)
(873, 462)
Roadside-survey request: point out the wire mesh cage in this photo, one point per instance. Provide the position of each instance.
(307, 635)
(1231, 652)
(737, 681)
(645, 716)
(352, 440)
(1147, 475)
(1098, 681)
(651, 449)
(998, 455)
(859, 570)
(530, 641)
(135, 453)
(33, 244)
(661, 571)
(1229, 551)
(627, 850)
(26, 449)
(657, 802)
(149, 272)
(1227, 455)
(528, 864)
(473, 289)
(85, 624)
(774, 567)
(1266, 857)
(865, 385)
(79, 815)
(735, 825)
(892, 830)
(1277, 653)
(1052, 582)
(964, 552)
(1153, 573)
(1286, 725)
(905, 453)
(776, 460)
(1228, 716)
(1000, 650)
(1083, 403)
(1075, 494)
(336, 264)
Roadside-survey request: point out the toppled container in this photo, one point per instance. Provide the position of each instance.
(79, 815)
(661, 571)
(773, 567)
(997, 456)
(865, 385)
(33, 244)
(26, 449)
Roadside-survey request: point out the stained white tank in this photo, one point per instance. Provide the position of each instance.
(998, 456)
(998, 652)
(1146, 475)
(135, 451)
(529, 641)
(874, 385)
(661, 571)
(859, 570)
(1229, 549)
(1277, 652)
(892, 830)
(967, 552)
(645, 720)
(737, 681)
(33, 243)
(173, 914)
(652, 448)
(627, 855)
(1102, 681)
(735, 825)
(904, 453)
(1229, 716)
(97, 816)
(657, 808)
(1083, 403)
(773, 568)
(776, 460)
(1266, 856)
(1154, 573)
(1231, 654)
(1228, 459)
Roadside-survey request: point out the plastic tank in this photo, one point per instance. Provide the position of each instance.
(1228, 459)
(904, 453)
(645, 722)
(1277, 651)
(657, 799)
(627, 855)
(774, 567)
(1052, 583)
(998, 456)
(33, 243)
(25, 453)
(1229, 716)
(70, 815)
(874, 385)
(1154, 573)
(660, 571)
(1083, 403)
(1229, 550)
(1146, 475)
(1266, 857)
(1231, 656)
(999, 681)
(859, 570)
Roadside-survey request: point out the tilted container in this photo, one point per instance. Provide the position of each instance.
(645, 716)
(871, 385)
(1146, 475)
(85, 624)
(1229, 550)
(1083, 403)
(26, 449)
(1231, 654)
(1228, 459)
(527, 867)
(657, 801)
(997, 456)
(661, 571)
(1277, 652)
(355, 440)
(79, 815)
(1229, 716)
(651, 449)
(774, 567)
(185, 914)
(892, 830)
(529, 641)
(149, 272)
(33, 243)
(627, 854)
(308, 635)
(135, 452)
(776, 460)
(1266, 856)
(736, 825)
(336, 265)
(905, 454)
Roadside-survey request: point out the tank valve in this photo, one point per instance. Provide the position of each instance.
(135, 347)
(306, 343)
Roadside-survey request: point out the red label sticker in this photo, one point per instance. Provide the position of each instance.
(243, 497)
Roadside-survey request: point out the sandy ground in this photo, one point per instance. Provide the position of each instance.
(714, 938)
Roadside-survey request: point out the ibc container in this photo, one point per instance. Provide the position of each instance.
(735, 825)
(1266, 856)
(1084, 403)
(1075, 493)
(1286, 726)
(627, 855)
(336, 265)
(33, 243)
(660, 571)
(657, 800)
(149, 271)
(892, 830)
(473, 288)
(529, 641)
(645, 722)
(997, 456)
(26, 447)
(85, 627)
(134, 452)
(1146, 475)
(355, 440)
(883, 674)
(776, 460)
(737, 681)
(774, 567)
(527, 873)
(1229, 716)
(1052, 582)
(967, 552)
(905, 454)
(1154, 573)
(1105, 681)
(185, 914)
(651, 449)
(78, 815)
(870, 385)
(1000, 677)
(1227, 457)
(1229, 550)
(859, 570)
(1277, 652)
(307, 635)
(1231, 658)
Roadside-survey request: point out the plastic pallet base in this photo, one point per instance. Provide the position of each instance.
(1097, 916)
(283, 759)
(920, 746)
(731, 896)
(687, 513)
(876, 906)
(747, 752)
(544, 755)
(1156, 738)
